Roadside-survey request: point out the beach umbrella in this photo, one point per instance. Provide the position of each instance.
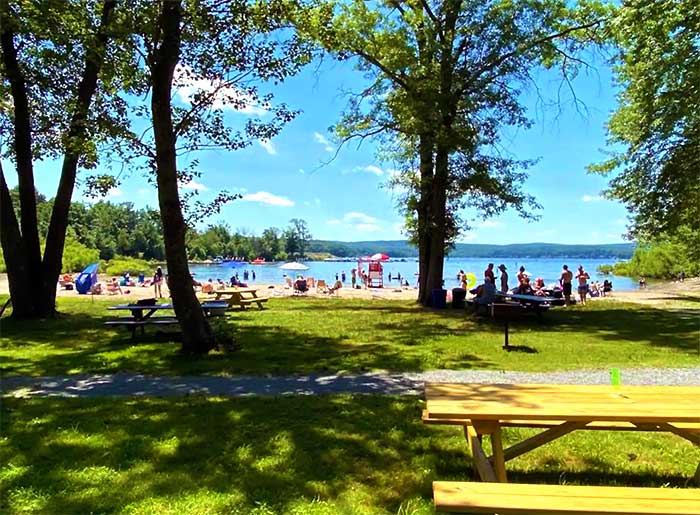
(294, 266)
(471, 279)
(379, 257)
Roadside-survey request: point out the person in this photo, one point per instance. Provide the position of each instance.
(158, 283)
(504, 278)
(565, 281)
(253, 274)
(300, 284)
(208, 287)
(338, 285)
(114, 287)
(595, 289)
(582, 277)
(488, 273)
(141, 279)
(485, 294)
(221, 285)
(681, 276)
(460, 275)
(398, 276)
(389, 276)
(343, 277)
(607, 288)
(538, 288)
(353, 277)
(524, 288)
(521, 275)
(463, 281)
(245, 275)
(642, 282)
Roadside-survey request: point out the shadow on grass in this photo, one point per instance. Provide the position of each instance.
(216, 455)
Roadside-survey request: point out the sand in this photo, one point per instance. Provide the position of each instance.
(655, 294)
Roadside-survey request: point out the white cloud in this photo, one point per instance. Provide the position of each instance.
(317, 201)
(301, 171)
(355, 217)
(466, 238)
(368, 228)
(268, 146)
(334, 221)
(369, 169)
(194, 185)
(268, 199)
(142, 191)
(222, 96)
(320, 138)
(592, 198)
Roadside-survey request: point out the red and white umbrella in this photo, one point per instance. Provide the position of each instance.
(379, 257)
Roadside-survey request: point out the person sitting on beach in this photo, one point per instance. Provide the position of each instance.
(221, 285)
(607, 288)
(642, 282)
(300, 285)
(338, 285)
(521, 275)
(113, 287)
(594, 290)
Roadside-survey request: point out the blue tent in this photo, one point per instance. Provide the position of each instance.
(87, 279)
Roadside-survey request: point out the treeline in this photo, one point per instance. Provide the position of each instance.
(106, 231)
(398, 249)
(665, 257)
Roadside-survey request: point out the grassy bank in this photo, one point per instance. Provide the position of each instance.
(298, 455)
(304, 335)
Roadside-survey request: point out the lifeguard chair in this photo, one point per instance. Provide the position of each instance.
(376, 275)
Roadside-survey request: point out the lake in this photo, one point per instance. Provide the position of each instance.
(548, 269)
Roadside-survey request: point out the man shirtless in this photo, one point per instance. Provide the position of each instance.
(565, 281)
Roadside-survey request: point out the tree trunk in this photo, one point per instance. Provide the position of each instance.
(26, 248)
(15, 255)
(56, 236)
(424, 209)
(437, 221)
(198, 337)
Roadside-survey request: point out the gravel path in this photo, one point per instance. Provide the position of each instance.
(387, 384)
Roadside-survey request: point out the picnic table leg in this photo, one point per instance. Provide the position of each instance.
(499, 462)
(505, 335)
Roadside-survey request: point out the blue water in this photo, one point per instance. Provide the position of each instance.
(548, 269)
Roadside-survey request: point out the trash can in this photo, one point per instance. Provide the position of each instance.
(458, 296)
(439, 299)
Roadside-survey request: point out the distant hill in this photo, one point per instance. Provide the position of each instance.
(399, 248)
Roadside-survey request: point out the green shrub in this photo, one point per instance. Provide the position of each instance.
(77, 256)
(121, 264)
(605, 269)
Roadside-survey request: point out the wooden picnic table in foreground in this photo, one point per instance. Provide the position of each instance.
(484, 408)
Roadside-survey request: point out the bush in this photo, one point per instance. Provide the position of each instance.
(77, 256)
(121, 264)
(605, 269)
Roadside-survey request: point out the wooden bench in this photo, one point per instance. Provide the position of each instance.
(132, 324)
(254, 300)
(526, 499)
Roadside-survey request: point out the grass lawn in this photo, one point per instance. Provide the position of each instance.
(299, 455)
(303, 335)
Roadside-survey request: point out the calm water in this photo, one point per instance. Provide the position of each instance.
(548, 269)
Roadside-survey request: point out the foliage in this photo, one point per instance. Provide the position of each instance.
(297, 238)
(665, 257)
(307, 335)
(120, 264)
(77, 256)
(657, 122)
(605, 269)
(292, 455)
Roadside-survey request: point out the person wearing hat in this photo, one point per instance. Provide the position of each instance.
(504, 278)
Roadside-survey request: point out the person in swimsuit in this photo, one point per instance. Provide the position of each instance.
(582, 277)
(158, 282)
(488, 274)
(565, 281)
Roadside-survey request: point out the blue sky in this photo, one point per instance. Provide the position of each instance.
(347, 199)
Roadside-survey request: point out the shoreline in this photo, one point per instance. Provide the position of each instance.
(654, 294)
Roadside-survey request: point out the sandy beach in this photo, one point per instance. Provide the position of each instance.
(655, 294)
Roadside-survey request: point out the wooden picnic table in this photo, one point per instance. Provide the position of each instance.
(137, 310)
(484, 408)
(240, 297)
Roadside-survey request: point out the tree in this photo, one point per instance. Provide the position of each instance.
(221, 43)
(52, 114)
(297, 238)
(657, 122)
(445, 78)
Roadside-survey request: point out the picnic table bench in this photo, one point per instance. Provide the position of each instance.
(526, 499)
(483, 409)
